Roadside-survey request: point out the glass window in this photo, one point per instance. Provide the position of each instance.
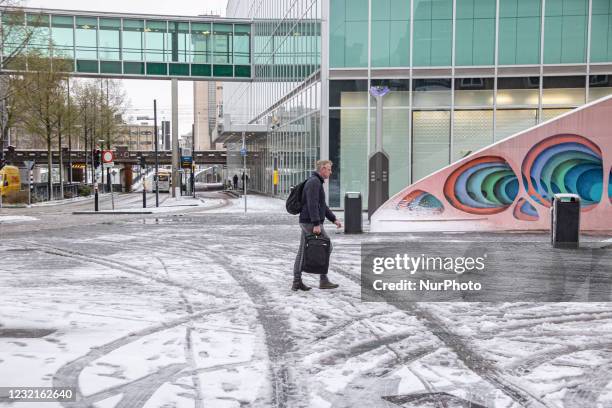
(431, 92)
(242, 43)
(109, 38)
(222, 43)
(601, 31)
(564, 91)
(86, 38)
(348, 93)
(133, 40)
(519, 32)
(475, 32)
(14, 31)
(156, 33)
(474, 91)
(518, 91)
(62, 35)
(430, 142)
(200, 36)
(432, 32)
(548, 114)
(179, 41)
(565, 31)
(348, 33)
(391, 34)
(511, 121)
(38, 25)
(357, 11)
(353, 160)
(599, 86)
(473, 130)
(356, 44)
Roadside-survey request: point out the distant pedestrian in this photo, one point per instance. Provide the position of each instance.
(313, 214)
(235, 179)
(245, 180)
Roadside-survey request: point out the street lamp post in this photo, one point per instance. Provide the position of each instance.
(378, 164)
(193, 160)
(156, 153)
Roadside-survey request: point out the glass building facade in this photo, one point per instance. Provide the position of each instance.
(463, 74)
(285, 95)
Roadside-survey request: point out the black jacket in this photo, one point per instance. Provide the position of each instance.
(314, 209)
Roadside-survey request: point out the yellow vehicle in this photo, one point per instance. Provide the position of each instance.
(9, 180)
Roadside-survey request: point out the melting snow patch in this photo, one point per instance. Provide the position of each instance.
(6, 219)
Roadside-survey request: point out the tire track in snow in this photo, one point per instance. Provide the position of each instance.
(468, 356)
(188, 349)
(68, 375)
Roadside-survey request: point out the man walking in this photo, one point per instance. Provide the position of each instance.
(313, 214)
(235, 180)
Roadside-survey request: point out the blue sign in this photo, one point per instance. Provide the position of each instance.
(186, 162)
(243, 151)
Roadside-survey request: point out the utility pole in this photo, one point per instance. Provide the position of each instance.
(156, 141)
(175, 141)
(244, 176)
(109, 179)
(69, 133)
(143, 177)
(193, 159)
(102, 120)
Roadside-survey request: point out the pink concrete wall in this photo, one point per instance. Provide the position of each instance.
(571, 150)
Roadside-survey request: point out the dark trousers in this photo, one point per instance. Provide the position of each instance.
(299, 259)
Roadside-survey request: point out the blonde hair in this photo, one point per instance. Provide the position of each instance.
(323, 163)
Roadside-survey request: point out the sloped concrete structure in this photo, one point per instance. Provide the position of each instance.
(509, 185)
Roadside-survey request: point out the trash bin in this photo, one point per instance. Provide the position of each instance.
(565, 221)
(352, 213)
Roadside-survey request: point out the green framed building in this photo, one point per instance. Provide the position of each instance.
(463, 74)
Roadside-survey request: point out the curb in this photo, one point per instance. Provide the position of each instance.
(111, 212)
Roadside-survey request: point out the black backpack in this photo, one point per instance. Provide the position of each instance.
(317, 249)
(294, 201)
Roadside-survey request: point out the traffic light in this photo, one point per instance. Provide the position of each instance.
(143, 162)
(97, 158)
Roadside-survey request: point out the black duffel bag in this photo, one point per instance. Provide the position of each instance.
(316, 254)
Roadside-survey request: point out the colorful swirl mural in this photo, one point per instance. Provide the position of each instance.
(420, 201)
(509, 184)
(486, 185)
(524, 211)
(564, 164)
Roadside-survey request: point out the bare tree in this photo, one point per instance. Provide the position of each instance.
(41, 102)
(14, 36)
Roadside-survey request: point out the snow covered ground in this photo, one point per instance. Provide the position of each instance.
(195, 311)
(5, 219)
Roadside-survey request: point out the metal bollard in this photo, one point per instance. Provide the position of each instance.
(96, 206)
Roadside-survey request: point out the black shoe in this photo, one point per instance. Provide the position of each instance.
(299, 285)
(324, 283)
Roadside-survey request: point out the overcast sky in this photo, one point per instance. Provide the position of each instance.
(142, 92)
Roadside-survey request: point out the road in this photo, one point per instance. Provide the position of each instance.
(192, 308)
